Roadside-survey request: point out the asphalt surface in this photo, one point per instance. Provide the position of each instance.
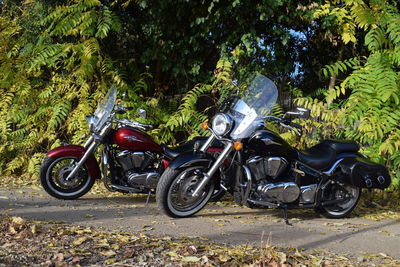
(217, 222)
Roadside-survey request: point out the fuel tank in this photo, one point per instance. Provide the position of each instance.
(134, 140)
(266, 143)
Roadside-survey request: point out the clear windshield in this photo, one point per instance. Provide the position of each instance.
(105, 108)
(255, 104)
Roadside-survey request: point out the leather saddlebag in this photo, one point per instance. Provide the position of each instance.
(364, 173)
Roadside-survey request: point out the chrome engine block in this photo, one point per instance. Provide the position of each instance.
(147, 179)
(134, 160)
(270, 167)
(285, 192)
(139, 169)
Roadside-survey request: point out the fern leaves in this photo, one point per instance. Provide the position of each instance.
(370, 114)
(51, 80)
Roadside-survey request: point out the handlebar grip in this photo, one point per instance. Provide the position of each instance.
(298, 126)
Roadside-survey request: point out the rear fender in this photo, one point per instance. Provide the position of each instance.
(77, 151)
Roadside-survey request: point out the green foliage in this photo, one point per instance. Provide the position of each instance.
(364, 107)
(51, 78)
(188, 118)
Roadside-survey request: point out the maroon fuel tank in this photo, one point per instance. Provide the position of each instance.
(132, 139)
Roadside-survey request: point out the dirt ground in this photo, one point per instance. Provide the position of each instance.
(218, 222)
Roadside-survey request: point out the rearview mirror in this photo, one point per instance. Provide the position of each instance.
(142, 113)
(303, 113)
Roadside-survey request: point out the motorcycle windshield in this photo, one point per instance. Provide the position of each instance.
(256, 103)
(105, 108)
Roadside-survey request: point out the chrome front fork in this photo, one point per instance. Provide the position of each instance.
(90, 146)
(208, 175)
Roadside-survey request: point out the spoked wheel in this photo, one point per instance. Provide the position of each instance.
(53, 177)
(350, 195)
(175, 189)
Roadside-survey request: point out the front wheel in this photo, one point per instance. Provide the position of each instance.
(53, 177)
(174, 192)
(350, 195)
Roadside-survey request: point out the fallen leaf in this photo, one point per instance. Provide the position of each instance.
(108, 253)
(223, 258)
(190, 259)
(110, 261)
(79, 241)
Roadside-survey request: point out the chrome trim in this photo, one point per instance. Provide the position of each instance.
(88, 142)
(223, 187)
(333, 168)
(207, 144)
(213, 169)
(248, 185)
(82, 161)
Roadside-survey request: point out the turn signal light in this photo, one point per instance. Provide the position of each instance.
(204, 125)
(238, 145)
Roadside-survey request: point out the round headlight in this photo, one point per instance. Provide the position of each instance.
(222, 124)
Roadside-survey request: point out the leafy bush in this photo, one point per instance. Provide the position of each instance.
(364, 107)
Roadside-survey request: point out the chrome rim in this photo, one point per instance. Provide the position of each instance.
(180, 193)
(57, 174)
(348, 193)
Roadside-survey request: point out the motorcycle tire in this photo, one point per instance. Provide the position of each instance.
(165, 194)
(341, 210)
(56, 185)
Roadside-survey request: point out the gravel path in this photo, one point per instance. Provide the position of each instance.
(217, 222)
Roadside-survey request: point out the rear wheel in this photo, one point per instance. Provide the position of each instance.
(175, 188)
(53, 177)
(348, 193)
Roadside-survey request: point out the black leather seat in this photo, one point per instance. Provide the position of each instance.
(319, 157)
(342, 146)
(176, 151)
(323, 155)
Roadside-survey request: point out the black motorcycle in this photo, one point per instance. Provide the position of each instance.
(264, 170)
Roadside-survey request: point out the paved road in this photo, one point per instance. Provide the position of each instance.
(233, 225)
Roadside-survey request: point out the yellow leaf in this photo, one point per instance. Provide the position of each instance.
(79, 241)
(108, 253)
(191, 259)
(223, 258)
(110, 261)
(17, 220)
(172, 254)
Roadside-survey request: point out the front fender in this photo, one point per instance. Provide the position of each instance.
(77, 151)
(190, 159)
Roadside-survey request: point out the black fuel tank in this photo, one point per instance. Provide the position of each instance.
(269, 144)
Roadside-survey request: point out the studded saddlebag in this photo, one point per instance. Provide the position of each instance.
(364, 173)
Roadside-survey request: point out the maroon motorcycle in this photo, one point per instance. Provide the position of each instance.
(131, 162)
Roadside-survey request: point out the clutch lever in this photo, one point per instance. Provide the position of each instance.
(291, 128)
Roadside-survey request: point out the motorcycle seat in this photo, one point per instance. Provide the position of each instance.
(319, 157)
(342, 146)
(323, 155)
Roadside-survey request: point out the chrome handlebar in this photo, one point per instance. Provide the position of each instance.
(134, 124)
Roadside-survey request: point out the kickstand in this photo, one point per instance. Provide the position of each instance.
(148, 198)
(285, 215)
